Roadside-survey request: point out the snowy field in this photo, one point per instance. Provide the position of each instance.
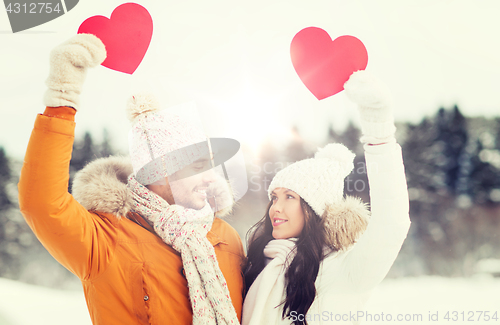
(435, 300)
(423, 300)
(24, 304)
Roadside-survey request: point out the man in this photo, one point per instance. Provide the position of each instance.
(129, 275)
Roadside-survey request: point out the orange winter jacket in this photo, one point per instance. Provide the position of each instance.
(129, 275)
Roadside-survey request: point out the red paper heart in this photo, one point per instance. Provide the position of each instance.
(324, 65)
(126, 35)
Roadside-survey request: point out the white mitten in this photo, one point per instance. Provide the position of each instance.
(375, 107)
(68, 67)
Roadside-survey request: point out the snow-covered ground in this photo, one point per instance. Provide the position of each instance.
(24, 304)
(436, 300)
(424, 300)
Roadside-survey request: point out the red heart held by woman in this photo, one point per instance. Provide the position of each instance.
(126, 35)
(324, 65)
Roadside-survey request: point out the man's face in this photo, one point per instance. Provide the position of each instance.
(187, 187)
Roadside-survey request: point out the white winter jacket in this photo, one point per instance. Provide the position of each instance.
(346, 278)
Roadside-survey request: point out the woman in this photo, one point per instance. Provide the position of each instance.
(314, 258)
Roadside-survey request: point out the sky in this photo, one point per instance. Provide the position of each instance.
(232, 59)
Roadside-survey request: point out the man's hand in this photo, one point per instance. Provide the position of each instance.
(68, 67)
(375, 106)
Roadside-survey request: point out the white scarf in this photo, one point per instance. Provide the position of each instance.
(186, 230)
(262, 302)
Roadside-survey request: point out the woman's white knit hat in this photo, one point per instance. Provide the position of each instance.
(319, 180)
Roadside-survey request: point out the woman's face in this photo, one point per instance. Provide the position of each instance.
(286, 214)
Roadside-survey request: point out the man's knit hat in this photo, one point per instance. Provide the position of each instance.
(161, 143)
(319, 180)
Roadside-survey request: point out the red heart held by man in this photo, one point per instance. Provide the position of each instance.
(126, 35)
(324, 65)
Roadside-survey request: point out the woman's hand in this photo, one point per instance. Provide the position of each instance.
(375, 107)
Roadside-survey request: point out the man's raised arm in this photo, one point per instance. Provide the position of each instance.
(63, 226)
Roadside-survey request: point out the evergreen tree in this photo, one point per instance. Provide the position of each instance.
(452, 135)
(5, 176)
(85, 151)
(105, 148)
(350, 138)
(7, 247)
(423, 157)
(16, 239)
(484, 178)
(496, 132)
(332, 136)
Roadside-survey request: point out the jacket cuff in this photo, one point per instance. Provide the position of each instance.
(57, 122)
(62, 112)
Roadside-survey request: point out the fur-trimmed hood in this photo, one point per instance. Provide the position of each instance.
(345, 222)
(102, 186)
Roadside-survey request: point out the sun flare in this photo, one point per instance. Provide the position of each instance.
(253, 116)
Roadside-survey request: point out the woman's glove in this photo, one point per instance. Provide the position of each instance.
(375, 107)
(68, 67)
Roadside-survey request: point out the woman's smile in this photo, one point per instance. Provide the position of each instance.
(278, 221)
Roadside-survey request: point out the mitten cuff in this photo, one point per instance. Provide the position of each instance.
(57, 98)
(371, 141)
(378, 129)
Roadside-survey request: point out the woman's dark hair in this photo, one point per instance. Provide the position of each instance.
(302, 272)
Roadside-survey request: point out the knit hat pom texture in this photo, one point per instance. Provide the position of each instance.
(140, 105)
(337, 153)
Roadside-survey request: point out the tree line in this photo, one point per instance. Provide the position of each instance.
(452, 167)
